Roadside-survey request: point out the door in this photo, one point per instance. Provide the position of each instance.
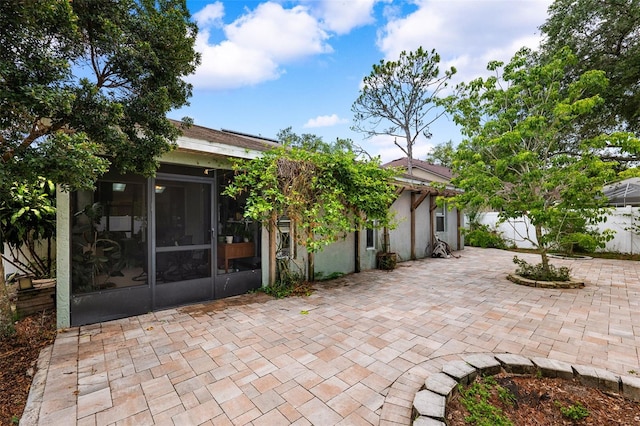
(181, 246)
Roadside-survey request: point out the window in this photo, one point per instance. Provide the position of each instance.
(285, 247)
(109, 235)
(371, 236)
(441, 218)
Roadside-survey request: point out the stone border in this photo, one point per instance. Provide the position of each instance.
(544, 284)
(429, 403)
(571, 257)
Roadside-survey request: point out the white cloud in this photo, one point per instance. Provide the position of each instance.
(210, 15)
(325, 121)
(257, 44)
(341, 17)
(466, 33)
(229, 65)
(283, 34)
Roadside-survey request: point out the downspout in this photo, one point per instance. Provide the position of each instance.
(459, 225)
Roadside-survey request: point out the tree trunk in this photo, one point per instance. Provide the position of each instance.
(543, 249)
(311, 266)
(386, 244)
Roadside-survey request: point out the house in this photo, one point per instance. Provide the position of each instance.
(425, 219)
(136, 244)
(624, 193)
(419, 221)
(139, 244)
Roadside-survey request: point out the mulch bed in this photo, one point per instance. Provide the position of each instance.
(538, 401)
(18, 355)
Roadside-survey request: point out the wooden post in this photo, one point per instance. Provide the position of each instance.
(432, 208)
(273, 228)
(413, 225)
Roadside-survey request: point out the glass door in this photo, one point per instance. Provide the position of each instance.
(182, 242)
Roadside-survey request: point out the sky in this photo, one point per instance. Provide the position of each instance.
(270, 65)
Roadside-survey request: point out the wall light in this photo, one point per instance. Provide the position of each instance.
(119, 187)
(160, 189)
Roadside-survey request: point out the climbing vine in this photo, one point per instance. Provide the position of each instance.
(326, 195)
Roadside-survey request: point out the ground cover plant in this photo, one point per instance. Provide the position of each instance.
(530, 400)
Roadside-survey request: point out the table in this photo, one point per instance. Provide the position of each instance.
(227, 252)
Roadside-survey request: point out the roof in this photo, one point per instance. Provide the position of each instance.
(623, 193)
(230, 138)
(441, 171)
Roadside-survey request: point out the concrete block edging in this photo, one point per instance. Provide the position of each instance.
(430, 401)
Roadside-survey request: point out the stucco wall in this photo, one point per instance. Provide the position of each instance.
(423, 229)
(338, 257)
(400, 237)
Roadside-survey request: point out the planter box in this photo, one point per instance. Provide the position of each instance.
(37, 299)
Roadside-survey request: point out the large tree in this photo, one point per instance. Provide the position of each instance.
(513, 158)
(604, 35)
(442, 154)
(325, 194)
(401, 99)
(85, 85)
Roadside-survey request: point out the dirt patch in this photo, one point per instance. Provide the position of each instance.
(540, 401)
(222, 304)
(18, 356)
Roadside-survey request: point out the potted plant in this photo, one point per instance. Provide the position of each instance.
(385, 259)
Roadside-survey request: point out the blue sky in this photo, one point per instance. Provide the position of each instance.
(269, 65)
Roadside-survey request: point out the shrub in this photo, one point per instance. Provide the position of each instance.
(538, 273)
(482, 236)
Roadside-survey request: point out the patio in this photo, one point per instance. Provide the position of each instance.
(353, 353)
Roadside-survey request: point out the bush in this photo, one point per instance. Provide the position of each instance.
(482, 236)
(7, 316)
(287, 281)
(538, 273)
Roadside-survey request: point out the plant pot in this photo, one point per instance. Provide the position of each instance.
(229, 239)
(386, 261)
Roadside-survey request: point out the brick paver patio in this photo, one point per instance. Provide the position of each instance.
(353, 353)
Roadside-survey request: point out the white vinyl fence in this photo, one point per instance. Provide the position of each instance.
(620, 219)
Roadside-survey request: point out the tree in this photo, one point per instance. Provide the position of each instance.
(312, 142)
(325, 194)
(28, 219)
(604, 35)
(513, 159)
(442, 154)
(86, 85)
(404, 95)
